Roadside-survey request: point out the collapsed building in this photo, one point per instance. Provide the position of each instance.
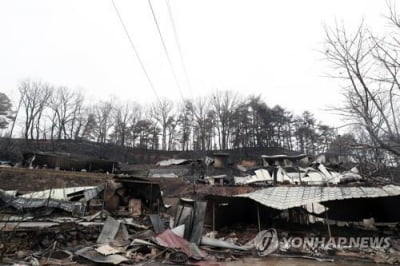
(183, 210)
(304, 204)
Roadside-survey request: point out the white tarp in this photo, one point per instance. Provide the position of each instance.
(172, 162)
(261, 175)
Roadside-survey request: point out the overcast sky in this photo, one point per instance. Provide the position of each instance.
(262, 47)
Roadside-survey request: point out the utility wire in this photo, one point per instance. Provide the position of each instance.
(136, 52)
(178, 44)
(166, 50)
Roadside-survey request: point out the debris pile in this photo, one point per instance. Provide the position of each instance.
(76, 225)
(286, 207)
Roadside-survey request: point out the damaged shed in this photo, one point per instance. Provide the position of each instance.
(337, 199)
(350, 204)
(134, 194)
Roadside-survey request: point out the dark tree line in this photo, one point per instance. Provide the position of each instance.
(222, 120)
(368, 64)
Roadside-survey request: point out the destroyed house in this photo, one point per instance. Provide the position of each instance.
(134, 194)
(304, 204)
(221, 160)
(172, 168)
(284, 160)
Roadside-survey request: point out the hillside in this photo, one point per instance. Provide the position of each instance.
(12, 149)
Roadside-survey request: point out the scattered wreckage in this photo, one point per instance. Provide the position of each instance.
(125, 221)
(285, 207)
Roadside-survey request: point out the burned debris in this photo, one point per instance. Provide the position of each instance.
(206, 209)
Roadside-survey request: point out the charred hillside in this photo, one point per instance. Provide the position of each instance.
(13, 149)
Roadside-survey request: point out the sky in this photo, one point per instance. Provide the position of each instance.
(252, 47)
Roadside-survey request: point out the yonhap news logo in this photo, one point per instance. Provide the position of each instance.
(336, 242)
(268, 242)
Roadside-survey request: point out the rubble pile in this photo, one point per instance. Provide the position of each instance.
(223, 212)
(74, 226)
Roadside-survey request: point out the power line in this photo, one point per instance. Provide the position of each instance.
(135, 51)
(178, 44)
(165, 50)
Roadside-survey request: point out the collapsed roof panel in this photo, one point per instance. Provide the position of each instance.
(170, 162)
(69, 199)
(20, 203)
(284, 156)
(59, 193)
(282, 198)
(169, 173)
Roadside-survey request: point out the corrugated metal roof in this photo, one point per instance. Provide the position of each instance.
(284, 156)
(282, 198)
(56, 193)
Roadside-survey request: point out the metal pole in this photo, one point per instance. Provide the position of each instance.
(258, 218)
(213, 226)
(327, 223)
(151, 197)
(104, 200)
(298, 169)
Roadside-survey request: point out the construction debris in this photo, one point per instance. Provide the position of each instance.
(92, 254)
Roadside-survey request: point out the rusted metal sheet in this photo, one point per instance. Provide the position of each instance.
(169, 240)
